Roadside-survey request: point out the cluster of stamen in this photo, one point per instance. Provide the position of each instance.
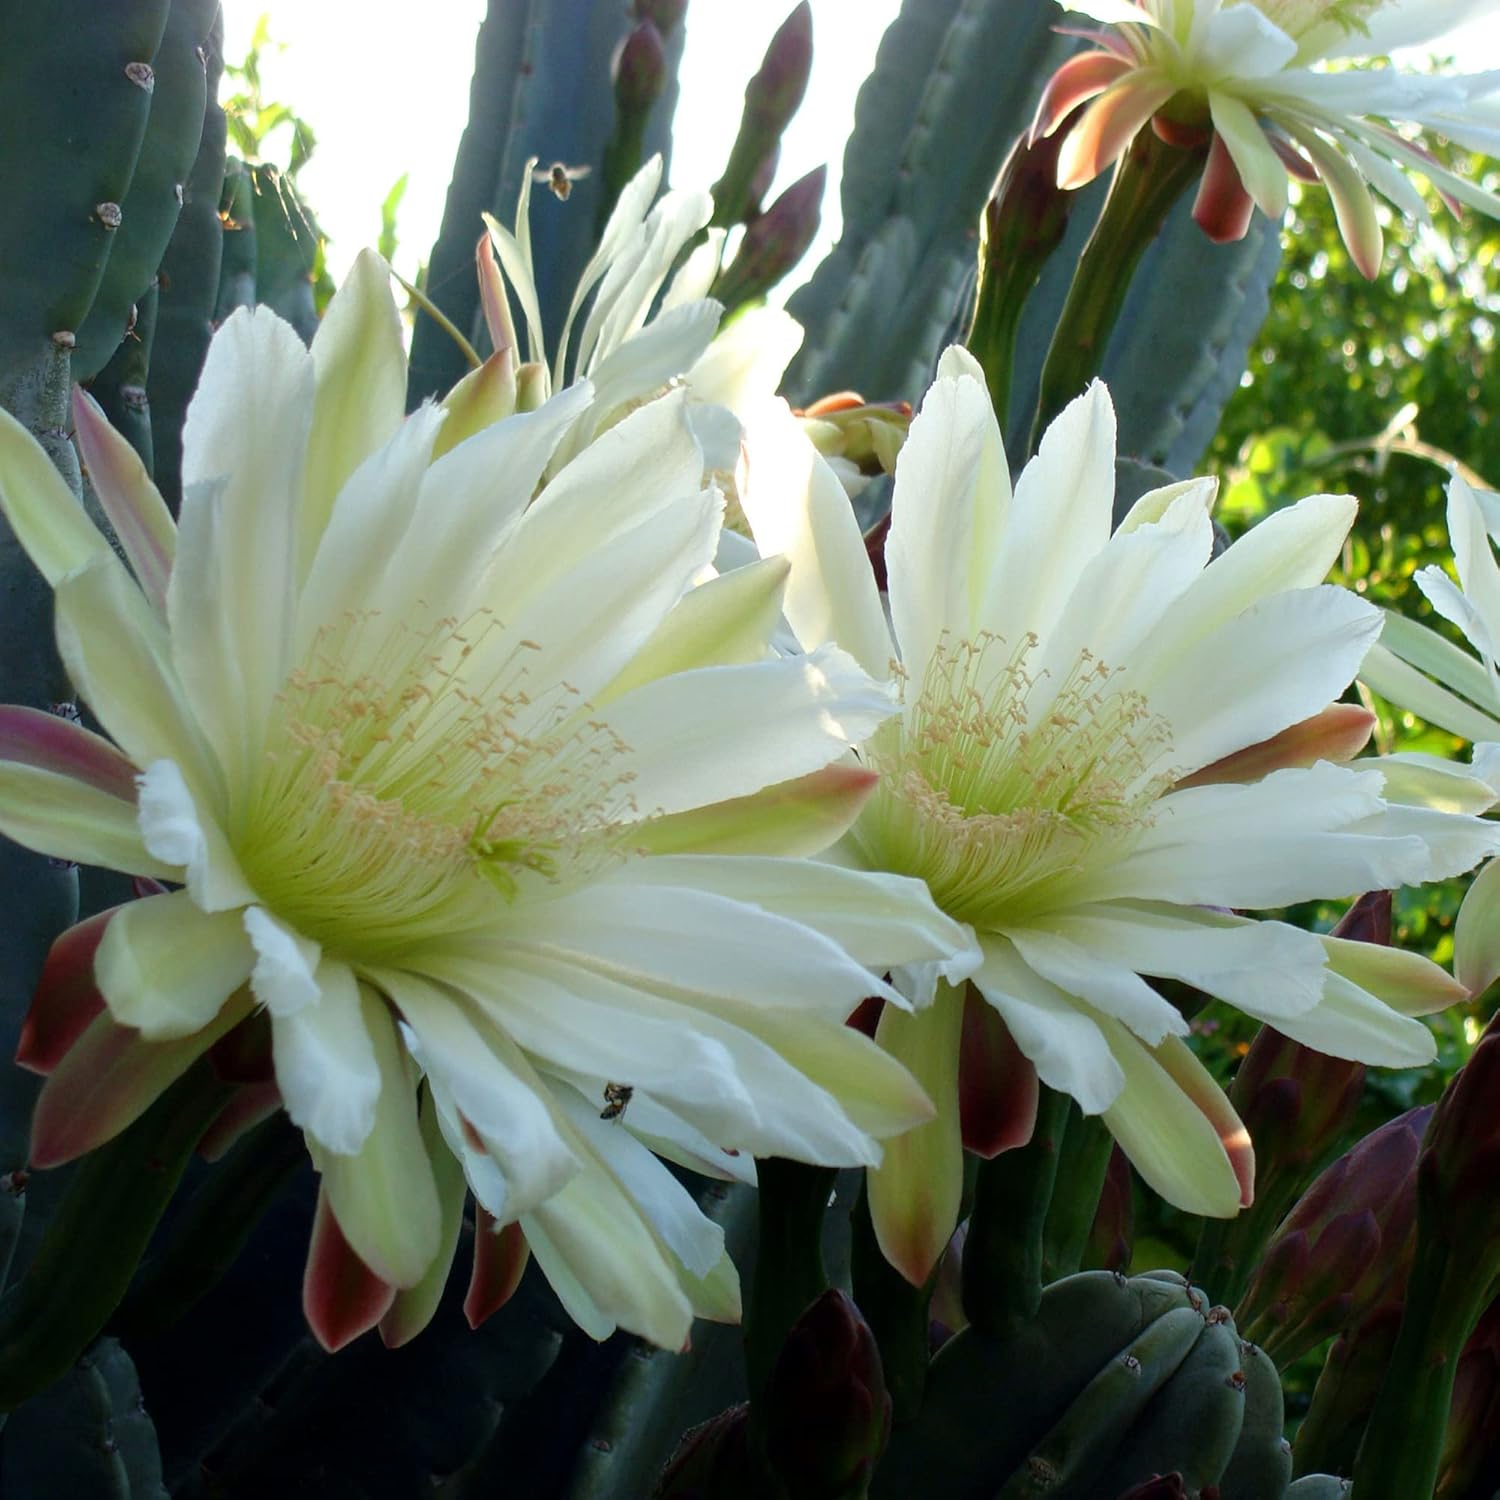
(998, 784)
(1297, 17)
(396, 804)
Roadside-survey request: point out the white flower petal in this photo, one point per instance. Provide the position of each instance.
(1067, 490)
(176, 830)
(704, 736)
(1298, 835)
(233, 585)
(1099, 982)
(1287, 658)
(166, 968)
(385, 1196)
(359, 391)
(948, 516)
(606, 1266)
(1350, 1022)
(287, 976)
(325, 1062)
(881, 920)
(1065, 1043)
(1170, 1141)
(492, 1086)
(699, 944)
(797, 508)
(1268, 969)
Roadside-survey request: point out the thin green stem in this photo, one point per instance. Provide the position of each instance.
(897, 1313)
(1002, 1275)
(1087, 1144)
(1150, 178)
(789, 1270)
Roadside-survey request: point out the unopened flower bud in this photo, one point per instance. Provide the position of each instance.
(665, 15)
(827, 1411)
(1334, 1255)
(773, 95)
(640, 70)
(714, 1462)
(1471, 1448)
(775, 242)
(1461, 1161)
(760, 182)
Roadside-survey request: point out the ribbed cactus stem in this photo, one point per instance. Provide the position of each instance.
(1003, 1253)
(1150, 178)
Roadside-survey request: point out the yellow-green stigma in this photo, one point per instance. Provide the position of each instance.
(997, 786)
(400, 804)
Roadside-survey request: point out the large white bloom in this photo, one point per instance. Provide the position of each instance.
(1417, 668)
(1080, 773)
(1241, 75)
(457, 777)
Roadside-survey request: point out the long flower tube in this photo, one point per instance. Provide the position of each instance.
(1245, 79)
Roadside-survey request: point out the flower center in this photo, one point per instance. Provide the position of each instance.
(998, 786)
(411, 798)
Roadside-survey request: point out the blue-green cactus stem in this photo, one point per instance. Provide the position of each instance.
(120, 387)
(86, 1438)
(955, 85)
(187, 285)
(237, 214)
(287, 247)
(76, 85)
(1261, 1463)
(95, 1239)
(158, 187)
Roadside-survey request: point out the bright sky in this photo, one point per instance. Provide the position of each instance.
(387, 100)
(391, 99)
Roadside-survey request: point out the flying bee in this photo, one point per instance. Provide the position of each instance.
(616, 1097)
(560, 178)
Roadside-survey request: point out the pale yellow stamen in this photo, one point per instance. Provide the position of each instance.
(997, 783)
(404, 802)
